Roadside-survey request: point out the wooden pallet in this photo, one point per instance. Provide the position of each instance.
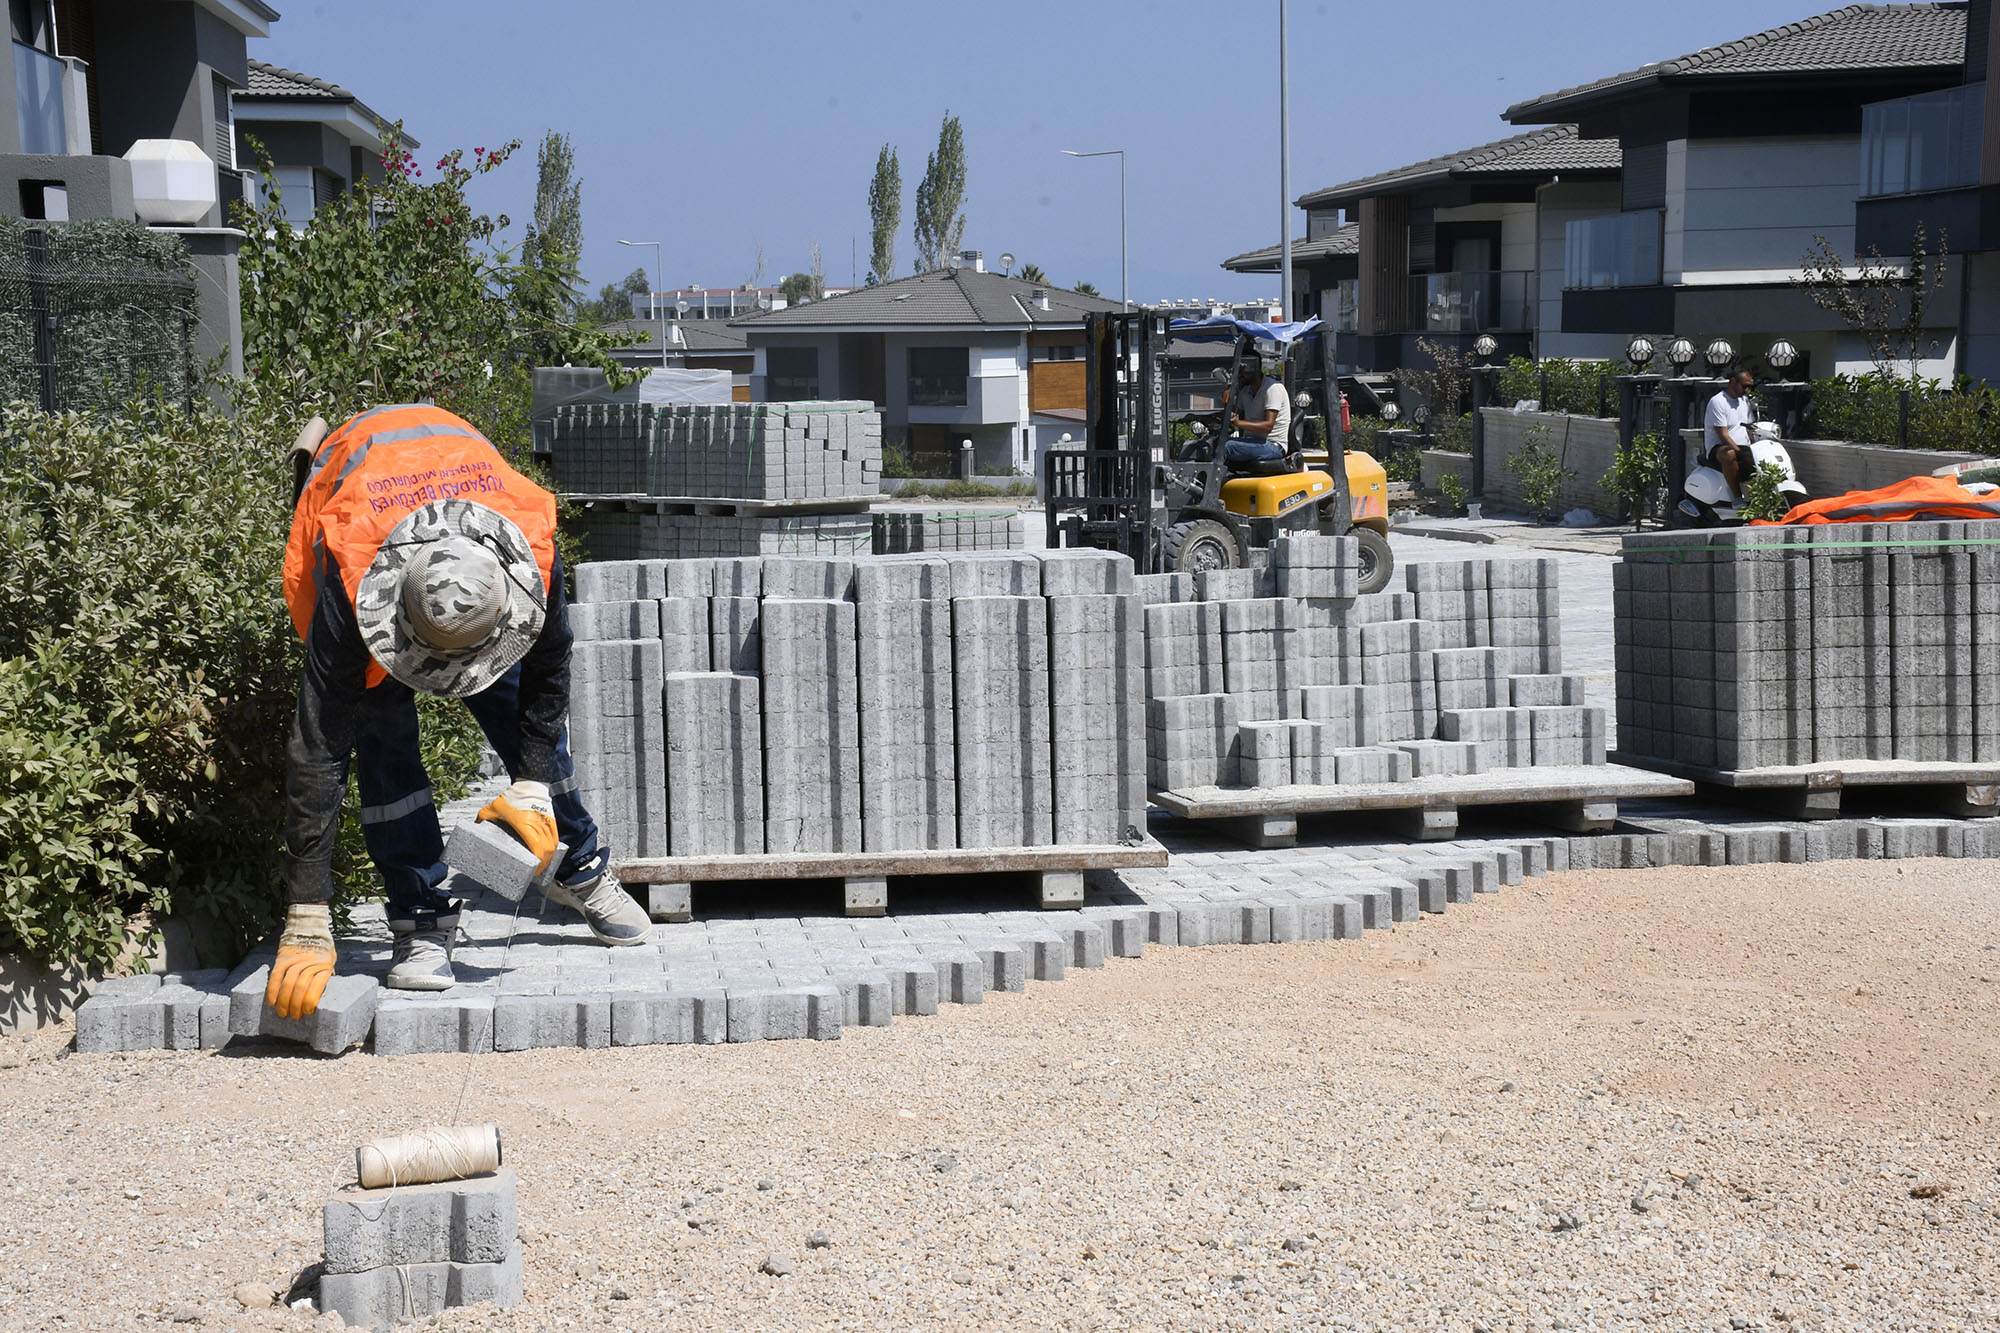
(665, 884)
(1813, 791)
(724, 507)
(1580, 798)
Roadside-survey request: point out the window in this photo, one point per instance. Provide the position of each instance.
(326, 187)
(938, 375)
(1066, 352)
(791, 374)
(225, 126)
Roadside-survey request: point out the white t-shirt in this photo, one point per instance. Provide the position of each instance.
(1722, 414)
(1269, 397)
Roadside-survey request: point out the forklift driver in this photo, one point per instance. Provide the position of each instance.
(1260, 416)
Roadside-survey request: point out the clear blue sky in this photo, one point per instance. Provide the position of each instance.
(717, 125)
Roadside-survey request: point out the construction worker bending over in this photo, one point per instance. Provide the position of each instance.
(419, 560)
(1260, 416)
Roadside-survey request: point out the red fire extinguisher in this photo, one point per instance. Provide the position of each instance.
(1346, 417)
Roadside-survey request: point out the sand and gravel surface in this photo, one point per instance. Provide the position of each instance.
(1673, 1099)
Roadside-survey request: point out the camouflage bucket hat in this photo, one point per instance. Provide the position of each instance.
(453, 599)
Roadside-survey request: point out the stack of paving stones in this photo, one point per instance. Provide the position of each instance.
(1771, 646)
(737, 451)
(1283, 676)
(804, 454)
(920, 531)
(608, 533)
(887, 703)
(411, 1251)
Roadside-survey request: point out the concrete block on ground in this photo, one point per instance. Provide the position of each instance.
(469, 1221)
(380, 1297)
(418, 1024)
(535, 1022)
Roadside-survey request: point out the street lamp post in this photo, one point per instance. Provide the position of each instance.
(659, 290)
(1124, 268)
(1284, 171)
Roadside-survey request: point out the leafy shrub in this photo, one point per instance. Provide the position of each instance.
(1761, 496)
(1637, 472)
(1539, 472)
(148, 670)
(967, 490)
(1454, 492)
(1573, 385)
(1865, 409)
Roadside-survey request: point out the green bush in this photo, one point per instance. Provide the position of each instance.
(1573, 385)
(1637, 472)
(148, 670)
(1865, 409)
(1761, 496)
(1540, 473)
(966, 490)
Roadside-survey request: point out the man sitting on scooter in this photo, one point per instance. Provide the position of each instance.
(1726, 429)
(1260, 416)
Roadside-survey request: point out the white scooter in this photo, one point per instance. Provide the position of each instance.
(1707, 500)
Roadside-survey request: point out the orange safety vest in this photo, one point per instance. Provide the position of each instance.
(372, 472)
(1902, 501)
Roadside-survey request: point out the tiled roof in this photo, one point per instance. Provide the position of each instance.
(273, 81)
(1849, 39)
(946, 298)
(1345, 241)
(1554, 149)
(697, 335)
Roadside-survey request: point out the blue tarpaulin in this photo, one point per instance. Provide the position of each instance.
(1227, 328)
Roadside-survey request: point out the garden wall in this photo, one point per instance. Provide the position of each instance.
(1442, 462)
(1586, 445)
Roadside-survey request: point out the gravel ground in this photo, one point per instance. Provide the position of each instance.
(1687, 1098)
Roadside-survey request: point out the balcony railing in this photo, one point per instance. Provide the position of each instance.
(1473, 302)
(38, 101)
(1914, 145)
(1622, 250)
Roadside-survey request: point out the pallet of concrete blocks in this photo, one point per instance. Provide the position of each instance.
(412, 1251)
(891, 706)
(937, 531)
(745, 451)
(1798, 661)
(626, 530)
(1263, 706)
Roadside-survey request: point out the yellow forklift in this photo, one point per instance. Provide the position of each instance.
(1168, 499)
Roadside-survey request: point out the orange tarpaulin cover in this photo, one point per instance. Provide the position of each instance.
(1911, 498)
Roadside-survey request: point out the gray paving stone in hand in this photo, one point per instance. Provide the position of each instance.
(346, 1012)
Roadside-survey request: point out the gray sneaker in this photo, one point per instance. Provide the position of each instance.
(610, 912)
(422, 957)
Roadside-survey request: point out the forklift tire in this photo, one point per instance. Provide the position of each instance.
(1199, 544)
(1377, 564)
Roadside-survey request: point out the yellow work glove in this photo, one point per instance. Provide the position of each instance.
(527, 810)
(305, 961)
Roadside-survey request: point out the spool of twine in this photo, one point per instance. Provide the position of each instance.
(424, 1156)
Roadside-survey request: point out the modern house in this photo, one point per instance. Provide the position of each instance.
(88, 80)
(1458, 246)
(694, 344)
(321, 139)
(1849, 126)
(1324, 268)
(952, 355)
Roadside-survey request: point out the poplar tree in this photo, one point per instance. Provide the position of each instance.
(885, 214)
(940, 224)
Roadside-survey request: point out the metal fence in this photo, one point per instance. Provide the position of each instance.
(93, 313)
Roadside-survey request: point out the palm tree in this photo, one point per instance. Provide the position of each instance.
(1033, 273)
(1086, 289)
